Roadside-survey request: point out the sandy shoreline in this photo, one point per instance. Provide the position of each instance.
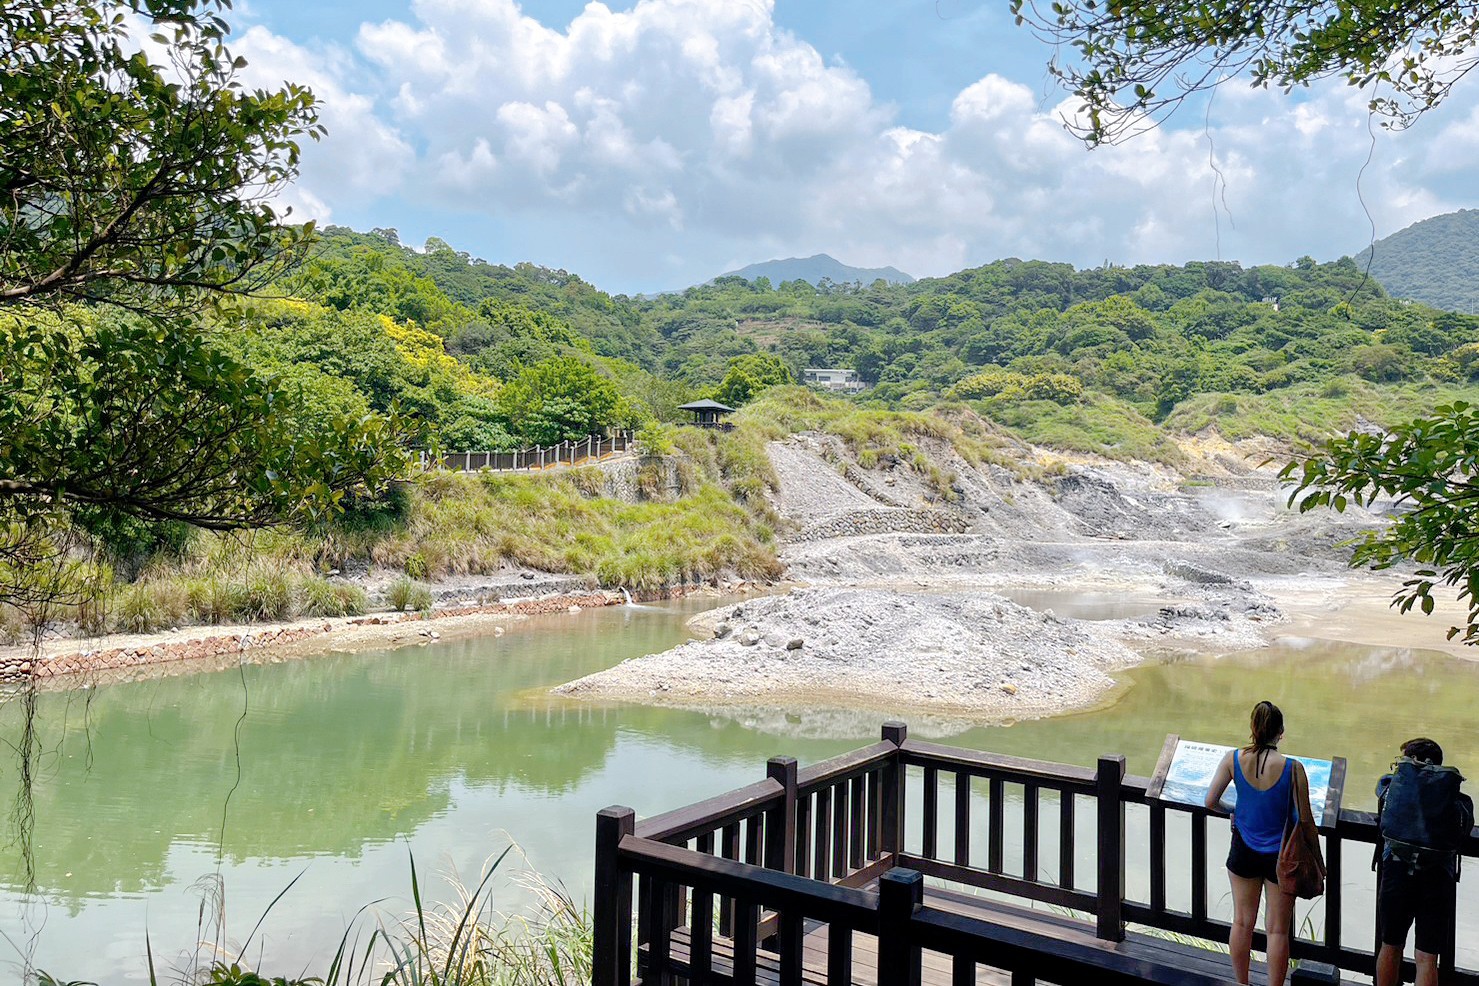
(73, 663)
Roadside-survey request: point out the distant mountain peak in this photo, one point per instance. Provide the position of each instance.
(1435, 261)
(815, 269)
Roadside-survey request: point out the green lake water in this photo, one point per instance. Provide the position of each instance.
(338, 767)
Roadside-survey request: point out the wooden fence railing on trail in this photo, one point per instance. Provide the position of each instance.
(572, 453)
(818, 876)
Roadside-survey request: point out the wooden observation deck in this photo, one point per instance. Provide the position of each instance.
(877, 867)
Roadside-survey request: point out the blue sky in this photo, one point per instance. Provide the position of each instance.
(652, 145)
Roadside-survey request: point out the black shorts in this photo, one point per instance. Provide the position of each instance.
(1250, 865)
(1425, 897)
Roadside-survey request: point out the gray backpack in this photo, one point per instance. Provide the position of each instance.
(1422, 815)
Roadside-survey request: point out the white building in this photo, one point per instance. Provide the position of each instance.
(833, 378)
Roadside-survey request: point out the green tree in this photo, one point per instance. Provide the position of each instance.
(141, 190)
(1139, 58)
(1430, 468)
(558, 400)
(133, 183)
(748, 375)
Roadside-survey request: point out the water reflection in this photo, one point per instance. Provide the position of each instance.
(347, 762)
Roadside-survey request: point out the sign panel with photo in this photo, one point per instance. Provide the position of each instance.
(1192, 765)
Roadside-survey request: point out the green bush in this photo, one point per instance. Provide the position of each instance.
(405, 594)
(269, 596)
(137, 610)
(416, 565)
(656, 438)
(320, 597)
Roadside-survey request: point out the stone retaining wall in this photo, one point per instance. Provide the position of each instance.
(18, 668)
(855, 523)
(624, 478)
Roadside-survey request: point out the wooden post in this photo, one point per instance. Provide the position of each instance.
(467, 462)
(780, 825)
(611, 917)
(1110, 925)
(893, 791)
(900, 893)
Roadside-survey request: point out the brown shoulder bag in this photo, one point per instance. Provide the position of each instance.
(1301, 866)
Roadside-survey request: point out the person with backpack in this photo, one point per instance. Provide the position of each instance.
(1273, 792)
(1424, 821)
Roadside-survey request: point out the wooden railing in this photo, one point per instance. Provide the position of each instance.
(796, 850)
(572, 453)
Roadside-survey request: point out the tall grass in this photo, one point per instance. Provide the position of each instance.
(918, 439)
(1099, 425)
(478, 524)
(464, 941)
(1311, 412)
(261, 591)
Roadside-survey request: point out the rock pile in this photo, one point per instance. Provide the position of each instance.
(878, 649)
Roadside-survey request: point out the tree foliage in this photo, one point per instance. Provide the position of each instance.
(136, 177)
(559, 400)
(1430, 469)
(130, 181)
(1134, 61)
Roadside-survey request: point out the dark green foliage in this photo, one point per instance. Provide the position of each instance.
(559, 400)
(1435, 261)
(129, 542)
(130, 182)
(163, 425)
(1141, 58)
(1430, 468)
(749, 375)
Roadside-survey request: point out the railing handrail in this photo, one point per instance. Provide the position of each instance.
(768, 888)
(684, 823)
(534, 456)
(844, 767)
(1017, 770)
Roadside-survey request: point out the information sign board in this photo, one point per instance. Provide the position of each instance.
(1185, 775)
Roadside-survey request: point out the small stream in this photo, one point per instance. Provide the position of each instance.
(337, 768)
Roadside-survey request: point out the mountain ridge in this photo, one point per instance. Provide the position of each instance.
(1434, 261)
(815, 269)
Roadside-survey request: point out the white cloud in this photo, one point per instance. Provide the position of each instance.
(362, 159)
(645, 147)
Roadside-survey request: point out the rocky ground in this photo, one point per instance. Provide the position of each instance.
(947, 652)
(901, 610)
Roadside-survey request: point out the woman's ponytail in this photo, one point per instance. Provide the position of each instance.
(1265, 726)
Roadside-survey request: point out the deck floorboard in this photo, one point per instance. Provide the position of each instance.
(937, 968)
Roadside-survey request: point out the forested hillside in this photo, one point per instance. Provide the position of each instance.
(437, 348)
(487, 355)
(1435, 261)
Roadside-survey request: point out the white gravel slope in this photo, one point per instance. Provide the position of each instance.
(974, 653)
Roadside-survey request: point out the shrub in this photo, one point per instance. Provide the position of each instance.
(320, 597)
(656, 438)
(405, 594)
(138, 611)
(416, 565)
(12, 625)
(269, 596)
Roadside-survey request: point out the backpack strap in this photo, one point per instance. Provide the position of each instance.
(1466, 820)
(1384, 782)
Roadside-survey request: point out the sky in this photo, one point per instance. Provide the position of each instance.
(651, 145)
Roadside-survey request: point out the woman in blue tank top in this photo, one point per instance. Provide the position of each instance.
(1271, 790)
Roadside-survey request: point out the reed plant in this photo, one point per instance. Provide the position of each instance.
(462, 941)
